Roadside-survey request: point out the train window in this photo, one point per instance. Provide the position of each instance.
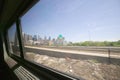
(78, 37)
(13, 40)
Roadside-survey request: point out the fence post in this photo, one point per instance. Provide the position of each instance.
(109, 55)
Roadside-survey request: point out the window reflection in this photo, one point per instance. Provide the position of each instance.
(13, 40)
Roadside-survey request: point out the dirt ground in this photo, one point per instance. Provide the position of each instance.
(86, 69)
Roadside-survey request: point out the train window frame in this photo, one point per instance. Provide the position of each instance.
(19, 37)
(38, 70)
(12, 29)
(46, 72)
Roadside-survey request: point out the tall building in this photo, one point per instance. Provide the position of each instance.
(29, 37)
(45, 38)
(25, 38)
(40, 40)
(49, 38)
(46, 42)
(60, 40)
(54, 41)
(35, 38)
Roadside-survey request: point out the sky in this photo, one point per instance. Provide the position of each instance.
(76, 20)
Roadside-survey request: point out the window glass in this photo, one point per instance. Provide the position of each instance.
(78, 37)
(13, 40)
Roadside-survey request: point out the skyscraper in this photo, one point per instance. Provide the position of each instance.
(60, 40)
(35, 38)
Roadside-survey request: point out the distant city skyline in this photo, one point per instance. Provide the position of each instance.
(46, 41)
(76, 20)
(43, 36)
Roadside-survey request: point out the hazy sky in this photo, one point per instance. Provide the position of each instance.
(76, 20)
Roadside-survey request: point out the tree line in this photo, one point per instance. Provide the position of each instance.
(96, 43)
